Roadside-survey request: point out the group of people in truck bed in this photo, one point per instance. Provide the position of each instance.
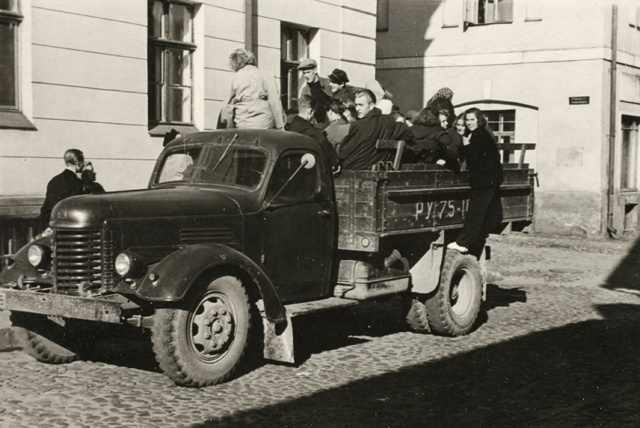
(348, 122)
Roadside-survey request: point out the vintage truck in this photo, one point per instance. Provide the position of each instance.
(238, 232)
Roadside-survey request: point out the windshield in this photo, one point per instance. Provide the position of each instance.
(178, 166)
(232, 165)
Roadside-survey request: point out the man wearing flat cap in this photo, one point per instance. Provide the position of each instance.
(318, 88)
(338, 82)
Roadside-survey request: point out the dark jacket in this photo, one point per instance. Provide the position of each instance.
(345, 93)
(358, 149)
(432, 143)
(301, 126)
(321, 98)
(483, 160)
(60, 187)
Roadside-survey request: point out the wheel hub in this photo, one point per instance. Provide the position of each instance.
(212, 327)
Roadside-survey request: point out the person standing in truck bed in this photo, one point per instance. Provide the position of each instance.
(358, 149)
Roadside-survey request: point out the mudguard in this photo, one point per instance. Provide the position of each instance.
(171, 279)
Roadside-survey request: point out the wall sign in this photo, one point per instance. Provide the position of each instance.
(578, 100)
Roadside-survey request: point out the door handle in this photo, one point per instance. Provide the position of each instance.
(324, 213)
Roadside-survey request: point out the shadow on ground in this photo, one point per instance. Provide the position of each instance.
(583, 374)
(130, 347)
(626, 276)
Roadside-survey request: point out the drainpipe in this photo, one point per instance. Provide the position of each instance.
(612, 121)
(248, 26)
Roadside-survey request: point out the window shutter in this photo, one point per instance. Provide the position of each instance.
(451, 15)
(471, 11)
(382, 17)
(505, 10)
(533, 11)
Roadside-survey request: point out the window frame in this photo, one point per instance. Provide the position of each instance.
(475, 12)
(500, 133)
(158, 111)
(273, 194)
(289, 66)
(12, 116)
(630, 126)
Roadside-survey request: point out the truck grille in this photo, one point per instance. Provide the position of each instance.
(78, 257)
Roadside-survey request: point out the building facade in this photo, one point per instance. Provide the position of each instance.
(110, 77)
(564, 76)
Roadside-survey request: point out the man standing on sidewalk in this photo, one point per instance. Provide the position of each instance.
(63, 185)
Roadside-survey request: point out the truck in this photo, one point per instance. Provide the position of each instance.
(239, 232)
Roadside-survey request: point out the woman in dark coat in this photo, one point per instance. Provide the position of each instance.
(485, 177)
(431, 142)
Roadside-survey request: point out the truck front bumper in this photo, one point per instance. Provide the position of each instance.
(103, 309)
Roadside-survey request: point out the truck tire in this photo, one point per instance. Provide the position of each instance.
(206, 340)
(42, 338)
(454, 308)
(416, 312)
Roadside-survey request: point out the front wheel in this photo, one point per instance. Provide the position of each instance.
(44, 339)
(205, 341)
(454, 308)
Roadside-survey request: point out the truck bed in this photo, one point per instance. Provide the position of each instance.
(421, 198)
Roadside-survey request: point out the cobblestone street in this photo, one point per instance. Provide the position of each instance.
(557, 346)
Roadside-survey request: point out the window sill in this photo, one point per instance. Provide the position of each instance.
(484, 24)
(15, 120)
(160, 129)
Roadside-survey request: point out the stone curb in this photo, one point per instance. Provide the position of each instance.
(600, 245)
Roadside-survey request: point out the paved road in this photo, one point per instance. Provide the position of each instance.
(558, 346)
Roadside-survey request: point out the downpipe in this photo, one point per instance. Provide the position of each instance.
(611, 230)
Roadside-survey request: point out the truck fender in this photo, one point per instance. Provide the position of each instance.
(172, 278)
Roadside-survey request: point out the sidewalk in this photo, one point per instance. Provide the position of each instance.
(599, 245)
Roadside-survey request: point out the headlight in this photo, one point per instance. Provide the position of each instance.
(129, 265)
(39, 255)
(123, 264)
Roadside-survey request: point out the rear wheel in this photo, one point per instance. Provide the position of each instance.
(205, 341)
(44, 339)
(454, 308)
(416, 313)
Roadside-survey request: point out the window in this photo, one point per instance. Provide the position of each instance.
(170, 62)
(304, 182)
(489, 11)
(294, 48)
(629, 155)
(10, 19)
(503, 125)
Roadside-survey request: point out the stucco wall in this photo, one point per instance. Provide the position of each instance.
(532, 66)
(88, 61)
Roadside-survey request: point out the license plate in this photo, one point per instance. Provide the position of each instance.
(3, 300)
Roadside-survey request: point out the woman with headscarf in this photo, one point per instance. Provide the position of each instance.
(254, 101)
(441, 100)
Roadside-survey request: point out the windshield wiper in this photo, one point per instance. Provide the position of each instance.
(224, 154)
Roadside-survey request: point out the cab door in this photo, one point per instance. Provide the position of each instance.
(300, 225)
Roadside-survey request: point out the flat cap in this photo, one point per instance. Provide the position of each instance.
(307, 63)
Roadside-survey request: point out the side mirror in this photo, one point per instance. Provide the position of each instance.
(308, 161)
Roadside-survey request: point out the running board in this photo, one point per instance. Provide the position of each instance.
(278, 338)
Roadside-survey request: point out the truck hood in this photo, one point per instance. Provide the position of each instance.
(92, 210)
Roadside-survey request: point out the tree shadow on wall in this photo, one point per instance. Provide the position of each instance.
(583, 374)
